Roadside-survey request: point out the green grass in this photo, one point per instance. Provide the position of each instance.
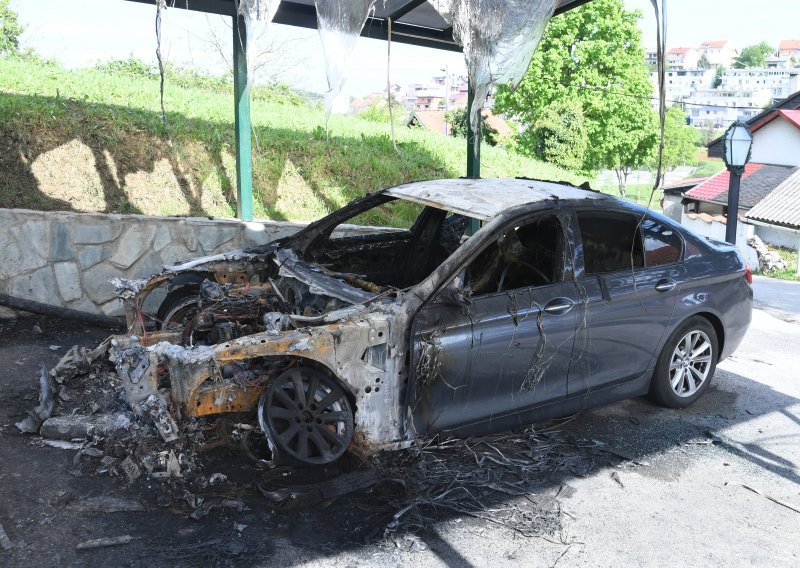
(790, 272)
(707, 167)
(93, 140)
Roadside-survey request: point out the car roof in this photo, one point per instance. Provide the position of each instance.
(486, 198)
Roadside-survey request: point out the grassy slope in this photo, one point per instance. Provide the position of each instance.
(93, 141)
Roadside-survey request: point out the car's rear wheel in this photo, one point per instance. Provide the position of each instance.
(686, 364)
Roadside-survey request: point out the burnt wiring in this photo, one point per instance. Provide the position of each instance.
(502, 479)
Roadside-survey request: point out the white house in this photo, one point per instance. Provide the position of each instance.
(718, 52)
(789, 48)
(683, 83)
(682, 58)
(769, 197)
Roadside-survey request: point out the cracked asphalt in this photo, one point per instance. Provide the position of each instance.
(677, 500)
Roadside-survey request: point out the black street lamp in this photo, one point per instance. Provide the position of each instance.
(736, 153)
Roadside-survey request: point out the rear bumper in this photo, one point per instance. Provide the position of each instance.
(736, 322)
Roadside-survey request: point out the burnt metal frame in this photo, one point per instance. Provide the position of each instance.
(305, 16)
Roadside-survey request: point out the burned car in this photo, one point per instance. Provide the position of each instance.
(562, 299)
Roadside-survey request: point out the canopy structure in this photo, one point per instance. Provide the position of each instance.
(413, 22)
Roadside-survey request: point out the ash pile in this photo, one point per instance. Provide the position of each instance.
(223, 462)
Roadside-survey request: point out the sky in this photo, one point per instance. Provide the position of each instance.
(84, 32)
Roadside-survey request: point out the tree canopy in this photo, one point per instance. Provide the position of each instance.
(10, 29)
(753, 56)
(680, 140)
(591, 56)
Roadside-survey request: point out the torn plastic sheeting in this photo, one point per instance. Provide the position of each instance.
(339, 23)
(257, 14)
(498, 38)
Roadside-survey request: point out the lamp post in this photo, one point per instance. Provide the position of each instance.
(735, 153)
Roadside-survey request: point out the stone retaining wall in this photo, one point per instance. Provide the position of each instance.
(68, 259)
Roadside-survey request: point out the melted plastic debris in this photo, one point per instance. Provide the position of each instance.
(498, 37)
(257, 14)
(339, 23)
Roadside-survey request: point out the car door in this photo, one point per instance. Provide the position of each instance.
(628, 269)
(498, 339)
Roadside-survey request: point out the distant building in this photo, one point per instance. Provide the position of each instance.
(721, 107)
(683, 83)
(789, 48)
(718, 52)
(780, 82)
(682, 58)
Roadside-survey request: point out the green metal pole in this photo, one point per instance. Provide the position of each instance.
(241, 90)
(473, 155)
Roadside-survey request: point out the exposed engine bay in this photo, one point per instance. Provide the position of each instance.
(302, 332)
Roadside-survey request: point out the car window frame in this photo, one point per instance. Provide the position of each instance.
(568, 269)
(675, 230)
(579, 250)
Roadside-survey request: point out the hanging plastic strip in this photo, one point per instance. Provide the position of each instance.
(339, 23)
(498, 38)
(257, 14)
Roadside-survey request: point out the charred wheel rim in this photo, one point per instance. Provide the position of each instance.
(690, 363)
(308, 416)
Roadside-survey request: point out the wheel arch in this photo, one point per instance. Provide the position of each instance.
(719, 329)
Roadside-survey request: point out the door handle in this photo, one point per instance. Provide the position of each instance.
(559, 306)
(665, 285)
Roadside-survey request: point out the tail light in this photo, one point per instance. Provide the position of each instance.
(748, 275)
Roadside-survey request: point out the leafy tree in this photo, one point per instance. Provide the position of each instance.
(559, 135)
(10, 29)
(457, 120)
(680, 141)
(704, 62)
(718, 76)
(593, 56)
(753, 56)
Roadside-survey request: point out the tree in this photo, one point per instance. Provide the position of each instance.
(559, 135)
(10, 29)
(753, 56)
(593, 56)
(680, 140)
(704, 62)
(718, 76)
(457, 120)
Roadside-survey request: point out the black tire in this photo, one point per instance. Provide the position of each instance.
(177, 305)
(680, 379)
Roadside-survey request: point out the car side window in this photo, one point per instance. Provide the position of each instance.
(662, 244)
(527, 255)
(611, 242)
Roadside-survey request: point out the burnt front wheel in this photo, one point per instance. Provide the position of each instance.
(686, 364)
(307, 416)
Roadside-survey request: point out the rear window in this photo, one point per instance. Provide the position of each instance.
(662, 244)
(611, 242)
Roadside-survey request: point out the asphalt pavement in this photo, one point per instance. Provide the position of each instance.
(779, 297)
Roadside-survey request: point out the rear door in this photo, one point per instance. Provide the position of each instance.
(629, 270)
(506, 345)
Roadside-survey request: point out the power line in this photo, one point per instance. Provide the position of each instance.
(604, 89)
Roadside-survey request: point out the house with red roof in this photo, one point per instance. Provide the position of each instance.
(718, 52)
(789, 48)
(682, 58)
(769, 195)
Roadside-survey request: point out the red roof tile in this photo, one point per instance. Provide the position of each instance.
(679, 50)
(789, 44)
(715, 43)
(718, 184)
